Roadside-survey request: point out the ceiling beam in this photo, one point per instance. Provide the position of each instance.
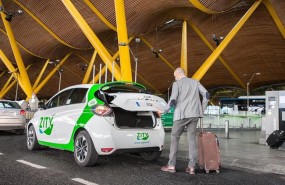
(275, 17)
(46, 28)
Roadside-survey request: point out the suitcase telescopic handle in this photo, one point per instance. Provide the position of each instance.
(201, 124)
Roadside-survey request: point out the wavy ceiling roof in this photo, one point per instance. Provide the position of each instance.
(47, 30)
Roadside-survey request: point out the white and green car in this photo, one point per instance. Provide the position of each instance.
(100, 119)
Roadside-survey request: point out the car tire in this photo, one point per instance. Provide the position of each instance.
(32, 141)
(150, 156)
(84, 150)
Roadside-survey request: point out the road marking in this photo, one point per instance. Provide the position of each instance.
(1, 153)
(31, 164)
(82, 181)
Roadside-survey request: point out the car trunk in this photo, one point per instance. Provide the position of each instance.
(134, 119)
(132, 106)
(135, 110)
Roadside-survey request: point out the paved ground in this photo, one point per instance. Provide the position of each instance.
(59, 168)
(241, 150)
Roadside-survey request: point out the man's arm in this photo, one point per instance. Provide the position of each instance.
(173, 98)
(205, 94)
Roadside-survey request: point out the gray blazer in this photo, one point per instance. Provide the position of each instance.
(185, 94)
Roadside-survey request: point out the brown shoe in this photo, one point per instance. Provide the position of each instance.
(190, 171)
(168, 168)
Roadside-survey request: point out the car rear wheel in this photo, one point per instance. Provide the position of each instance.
(84, 150)
(150, 156)
(32, 141)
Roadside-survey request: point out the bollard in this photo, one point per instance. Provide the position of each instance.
(227, 134)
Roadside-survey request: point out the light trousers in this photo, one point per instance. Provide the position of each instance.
(177, 129)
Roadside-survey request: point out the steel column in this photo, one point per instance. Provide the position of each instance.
(183, 64)
(41, 74)
(99, 14)
(275, 17)
(213, 57)
(91, 36)
(204, 39)
(12, 69)
(125, 62)
(6, 90)
(89, 69)
(17, 55)
(7, 82)
(40, 86)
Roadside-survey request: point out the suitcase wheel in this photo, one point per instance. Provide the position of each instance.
(207, 171)
(217, 171)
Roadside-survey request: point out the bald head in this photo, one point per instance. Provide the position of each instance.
(179, 73)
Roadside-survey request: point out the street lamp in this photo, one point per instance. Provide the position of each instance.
(59, 83)
(247, 88)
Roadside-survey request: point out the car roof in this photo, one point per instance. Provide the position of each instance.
(2, 100)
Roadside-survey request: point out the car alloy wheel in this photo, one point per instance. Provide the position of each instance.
(32, 141)
(81, 148)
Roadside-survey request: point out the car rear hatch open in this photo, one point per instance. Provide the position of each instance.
(132, 106)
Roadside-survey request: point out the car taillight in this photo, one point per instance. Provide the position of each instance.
(101, 110)
(106, 150)
(22, 112)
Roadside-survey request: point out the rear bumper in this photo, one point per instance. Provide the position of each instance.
(108, 139)
(138, 150)
(11, 124)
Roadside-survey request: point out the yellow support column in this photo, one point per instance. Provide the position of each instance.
(16, 77)
(7, 83)
(183, 64)
(213, 57)
(17, 55)
(89, 69)
(97, 76)
(91, 36)
(41, 74)
(275, 17)
(12, 69)
(204, 39)
(40, 86)
(126, 70)
(3, 72)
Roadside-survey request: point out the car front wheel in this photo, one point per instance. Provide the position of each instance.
(32, 141)
(84, 150)
(150, 156)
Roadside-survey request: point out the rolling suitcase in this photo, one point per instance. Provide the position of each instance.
(208, 150)
(276, 139)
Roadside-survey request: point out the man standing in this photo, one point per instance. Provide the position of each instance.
(186, 100)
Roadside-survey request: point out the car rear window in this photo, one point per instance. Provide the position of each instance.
(9, 105)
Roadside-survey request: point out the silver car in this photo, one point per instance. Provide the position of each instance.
(12, 116)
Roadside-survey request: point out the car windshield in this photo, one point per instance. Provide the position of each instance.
(9, 105)
(120, 87)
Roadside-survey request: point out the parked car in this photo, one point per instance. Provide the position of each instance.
(100, 119)
(12, 117)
